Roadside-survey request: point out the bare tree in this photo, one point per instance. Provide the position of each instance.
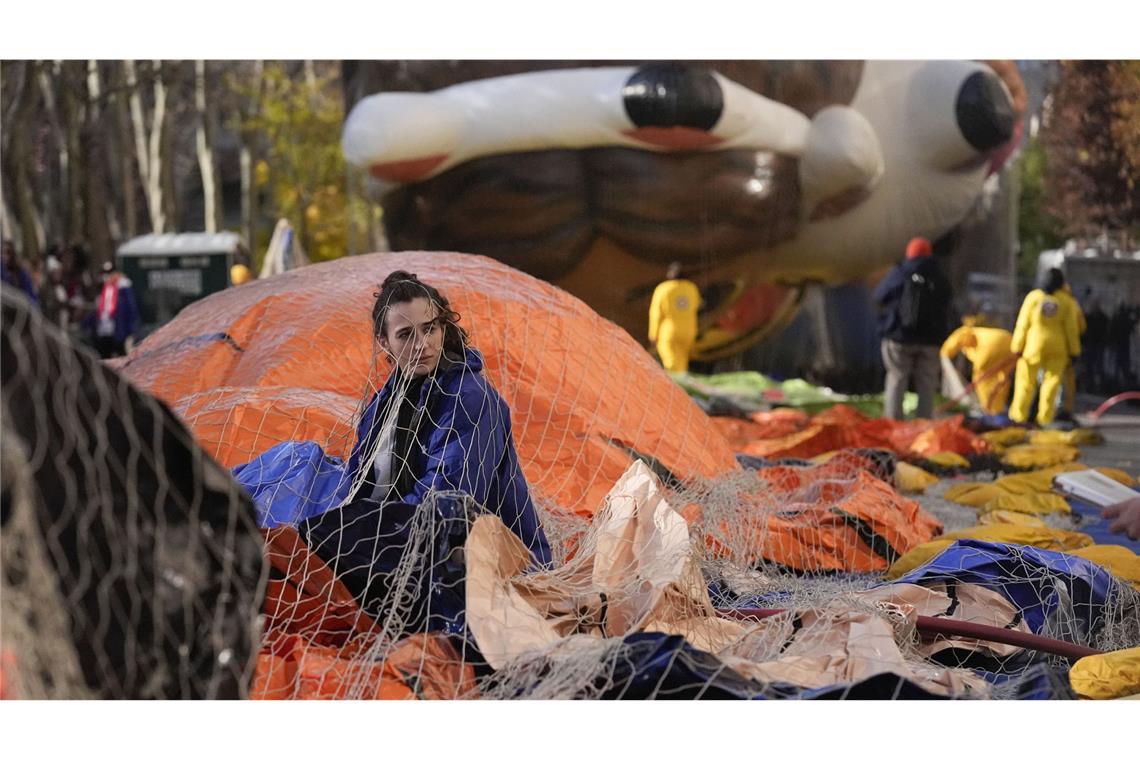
(250, 150)
(170, 72)
(99, 212)
(71, 88)
(6, 230)
(17, 152)
(204, 138)
(123, 174)
(10, 86)
(148, 135)
(99, 151)
(55, 195)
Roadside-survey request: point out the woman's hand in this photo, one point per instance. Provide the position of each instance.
(1127, 514)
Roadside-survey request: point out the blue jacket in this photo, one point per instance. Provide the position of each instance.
(23, 281)
(464, 444)
(126, 313)
(889, 292)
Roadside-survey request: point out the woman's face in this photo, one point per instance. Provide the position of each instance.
(413, 336)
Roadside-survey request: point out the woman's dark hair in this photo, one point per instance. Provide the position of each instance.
(402, 287)
(1051, 280)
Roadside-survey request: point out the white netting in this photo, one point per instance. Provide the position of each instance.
(395, 516)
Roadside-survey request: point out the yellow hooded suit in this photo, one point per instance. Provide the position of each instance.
(1047, 337)
(673, 322)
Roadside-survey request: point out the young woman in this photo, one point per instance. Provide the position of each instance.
(437, 426)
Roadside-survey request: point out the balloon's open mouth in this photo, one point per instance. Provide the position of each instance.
(541, 210)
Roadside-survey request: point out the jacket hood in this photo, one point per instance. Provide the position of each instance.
(471, 360)
(1050, 281)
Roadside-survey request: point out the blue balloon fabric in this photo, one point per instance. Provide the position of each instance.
(293, 481)
(1037, 581)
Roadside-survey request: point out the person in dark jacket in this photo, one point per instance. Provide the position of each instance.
(1095, 342)
(13, 273)
(914, 301)
(434, 447)
(1120, 329)
(116, 316)
(53, 294)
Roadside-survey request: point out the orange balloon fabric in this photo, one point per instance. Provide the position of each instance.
(835, 516)
(791, 433)
(422, 666)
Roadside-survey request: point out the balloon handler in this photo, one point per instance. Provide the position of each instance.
(1047, 339)
(673, 319)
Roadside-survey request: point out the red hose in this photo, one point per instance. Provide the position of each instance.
(934, 626)
(1126, 396)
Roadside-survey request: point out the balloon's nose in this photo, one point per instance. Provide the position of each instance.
(673, 95)
(984, 111)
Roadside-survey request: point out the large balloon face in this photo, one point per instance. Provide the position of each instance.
(756, 176)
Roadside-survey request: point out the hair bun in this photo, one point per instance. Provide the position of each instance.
(399, 276)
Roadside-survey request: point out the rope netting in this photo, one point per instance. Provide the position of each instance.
(131, 561)
(543, 515)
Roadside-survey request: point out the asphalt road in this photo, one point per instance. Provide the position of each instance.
(1121, 430)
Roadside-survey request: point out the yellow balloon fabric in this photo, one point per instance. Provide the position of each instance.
(1037, 481)
(1030, 504)
(1010, 436)
(1078, 437)
(1022, 484)
(911, 479)
(1031, 455)
(1042, 538)
(917, 557)
(1107, 676)
(1006, 517)
(974, 494)
(1118, 560)
(948, 459)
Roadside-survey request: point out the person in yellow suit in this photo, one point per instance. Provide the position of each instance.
(673, 319)
(1047, 338)
(1069, 389)
(987, 348)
